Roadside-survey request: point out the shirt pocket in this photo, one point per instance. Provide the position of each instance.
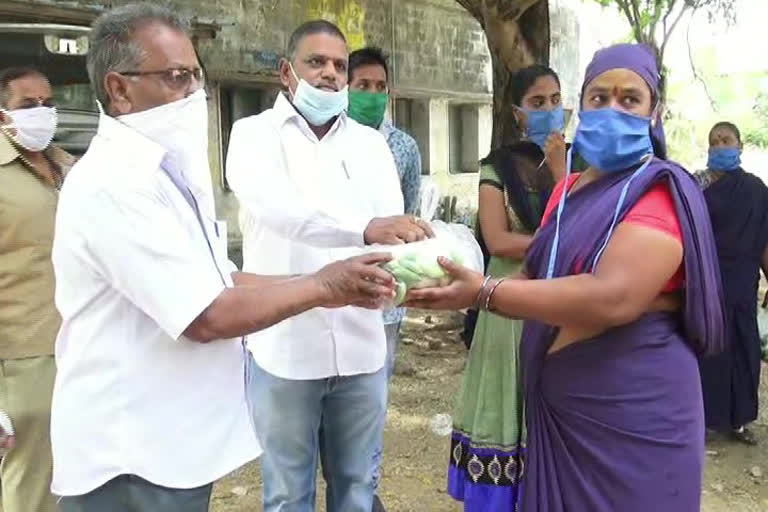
(221, 247)
(216, 238)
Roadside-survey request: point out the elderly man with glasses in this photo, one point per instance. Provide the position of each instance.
(150, 404)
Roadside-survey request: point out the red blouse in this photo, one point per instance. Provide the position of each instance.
(656, 209)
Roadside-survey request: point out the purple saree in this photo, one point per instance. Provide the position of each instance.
(616, 423)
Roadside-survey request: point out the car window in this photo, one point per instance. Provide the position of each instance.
(78, 117)
(75, 97)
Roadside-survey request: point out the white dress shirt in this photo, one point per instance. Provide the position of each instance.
(133, 270)
(305, 203)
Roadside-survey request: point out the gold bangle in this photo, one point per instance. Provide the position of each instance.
(490, 294)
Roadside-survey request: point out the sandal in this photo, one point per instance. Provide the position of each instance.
(744, 436)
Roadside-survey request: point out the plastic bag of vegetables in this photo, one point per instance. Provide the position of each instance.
(415, 265)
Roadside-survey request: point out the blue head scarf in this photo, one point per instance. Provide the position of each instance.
(640, 59)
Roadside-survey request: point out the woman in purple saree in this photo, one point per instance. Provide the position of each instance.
(616, 312)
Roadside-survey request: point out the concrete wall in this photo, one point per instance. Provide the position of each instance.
(439, 61)
(435, 46)
(439, 57)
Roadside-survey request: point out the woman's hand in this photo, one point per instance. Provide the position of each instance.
(460, 294)
(555, 153)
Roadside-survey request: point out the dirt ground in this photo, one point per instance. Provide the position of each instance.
(425, 384)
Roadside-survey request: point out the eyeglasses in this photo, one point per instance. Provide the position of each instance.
(175, 78)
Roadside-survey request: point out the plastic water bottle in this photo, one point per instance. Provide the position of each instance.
(441, 424)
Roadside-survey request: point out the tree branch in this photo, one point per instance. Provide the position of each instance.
(672, 5)
(517, 8)
(696, 75)
(624, 7)
(668, 32)
(655, 18)
(636, 11)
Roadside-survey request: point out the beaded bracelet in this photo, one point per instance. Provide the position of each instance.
(490, 294)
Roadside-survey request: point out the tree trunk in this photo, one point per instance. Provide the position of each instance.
(518, 35)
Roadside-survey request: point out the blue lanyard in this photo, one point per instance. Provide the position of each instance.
(561, 207)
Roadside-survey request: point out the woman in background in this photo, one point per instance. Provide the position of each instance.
(738, 207)
(515, 183)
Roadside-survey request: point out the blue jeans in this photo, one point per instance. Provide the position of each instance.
(127, 493)
(339, 418)
(392, 332)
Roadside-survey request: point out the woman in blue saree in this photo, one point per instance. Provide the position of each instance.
(623, 293)
(738, 207)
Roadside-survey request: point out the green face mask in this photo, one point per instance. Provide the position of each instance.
(367, 107)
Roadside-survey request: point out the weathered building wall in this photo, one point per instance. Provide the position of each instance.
(438, 58)
(440, 71)
(435, 46)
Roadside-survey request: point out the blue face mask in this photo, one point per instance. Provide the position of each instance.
(316, 105)
(724, 159)
(542, 123)
(612, 140)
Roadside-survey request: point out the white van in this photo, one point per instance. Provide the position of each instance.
(58, 51)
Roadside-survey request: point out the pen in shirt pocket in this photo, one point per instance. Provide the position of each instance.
(344, 166)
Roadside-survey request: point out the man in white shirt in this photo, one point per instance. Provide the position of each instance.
(315, 186)
(150, 403)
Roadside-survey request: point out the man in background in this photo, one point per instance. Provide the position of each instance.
(31, 174)
(368, 100)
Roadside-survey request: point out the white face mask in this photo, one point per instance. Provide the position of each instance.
(316, 105)
(181, 128)
(34, 127)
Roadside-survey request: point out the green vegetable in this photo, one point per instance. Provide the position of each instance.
(402, 289)
(456, 258)
(423, 264)
(404, 275)
(419, 269)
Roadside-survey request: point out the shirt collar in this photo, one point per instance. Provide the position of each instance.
(285, 112)
(128, 144)
(64, 160)
(387, 129)
(8, 152)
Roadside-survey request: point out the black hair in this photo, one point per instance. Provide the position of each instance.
(728, 126)
(524, 79)
(311, 28)
(507, 160)
(370, 56)
(8, 75)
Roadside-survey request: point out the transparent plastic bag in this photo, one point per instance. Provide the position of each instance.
(430, 200)
(415, 265)
(762, 326)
